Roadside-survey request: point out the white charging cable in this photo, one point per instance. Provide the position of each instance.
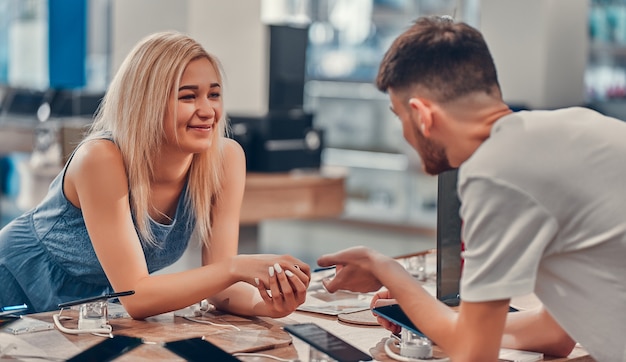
(263, 355)
(211, 323)
(103, 331)
(201, 310)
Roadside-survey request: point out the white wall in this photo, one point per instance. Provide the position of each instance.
(132, 20)
(231, 30)
(540, 49)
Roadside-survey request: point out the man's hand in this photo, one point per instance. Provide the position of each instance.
(356, 270)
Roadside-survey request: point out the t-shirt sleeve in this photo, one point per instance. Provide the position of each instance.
(505, 234)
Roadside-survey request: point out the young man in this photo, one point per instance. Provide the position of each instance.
(543, 206)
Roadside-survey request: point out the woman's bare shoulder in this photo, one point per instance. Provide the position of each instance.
(97, 152)
(233, 152)
(232, 146)
(98, 158)
(97, 167)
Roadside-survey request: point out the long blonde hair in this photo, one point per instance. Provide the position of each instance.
(132, 113)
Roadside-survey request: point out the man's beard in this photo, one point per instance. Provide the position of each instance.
(433, 155)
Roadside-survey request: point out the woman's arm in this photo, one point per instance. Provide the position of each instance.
(244, 298)
(96, 182)
(478, 325)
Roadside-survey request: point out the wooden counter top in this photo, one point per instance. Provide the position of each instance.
(231, 333)
(292, 195)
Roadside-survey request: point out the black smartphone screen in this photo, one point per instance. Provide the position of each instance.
(108, 349)
(326, 342)
(395, 314)
(197, 350)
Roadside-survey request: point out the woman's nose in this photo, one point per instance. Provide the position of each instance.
(206, 108)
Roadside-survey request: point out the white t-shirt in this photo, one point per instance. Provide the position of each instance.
(544, 211)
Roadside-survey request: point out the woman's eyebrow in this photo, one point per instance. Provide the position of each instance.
(185, 87)
(195, 87)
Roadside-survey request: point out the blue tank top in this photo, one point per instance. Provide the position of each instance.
(48, 254)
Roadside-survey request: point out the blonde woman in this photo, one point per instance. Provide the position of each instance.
(154, 169)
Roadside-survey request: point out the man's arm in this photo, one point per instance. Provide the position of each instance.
(472, 334)
(536, 330)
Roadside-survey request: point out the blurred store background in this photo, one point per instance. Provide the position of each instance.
(57, 56)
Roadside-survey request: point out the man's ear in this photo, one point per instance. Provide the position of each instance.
(422, 113)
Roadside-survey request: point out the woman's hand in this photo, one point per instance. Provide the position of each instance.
(380, 299)
(282, 281)
(285, 292)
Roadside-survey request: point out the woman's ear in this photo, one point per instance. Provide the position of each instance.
(420, 109)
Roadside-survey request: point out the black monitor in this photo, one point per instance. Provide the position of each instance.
(448, 238)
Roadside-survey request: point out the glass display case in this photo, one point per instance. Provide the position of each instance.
(606, 71)
(605, 77)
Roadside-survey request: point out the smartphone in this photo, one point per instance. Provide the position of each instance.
(107, 350)
(395, 314)
(198, 349)
(326, 342)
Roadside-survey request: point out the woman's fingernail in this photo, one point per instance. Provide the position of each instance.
(271, 271)
(256, 280)
(278, 268)
(288, 273)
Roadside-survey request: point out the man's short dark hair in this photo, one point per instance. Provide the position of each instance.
(447, 58)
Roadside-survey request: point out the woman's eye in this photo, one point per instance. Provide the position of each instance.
(186, 96)
(215, 95)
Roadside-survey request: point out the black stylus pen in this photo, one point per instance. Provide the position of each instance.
(95, 299)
